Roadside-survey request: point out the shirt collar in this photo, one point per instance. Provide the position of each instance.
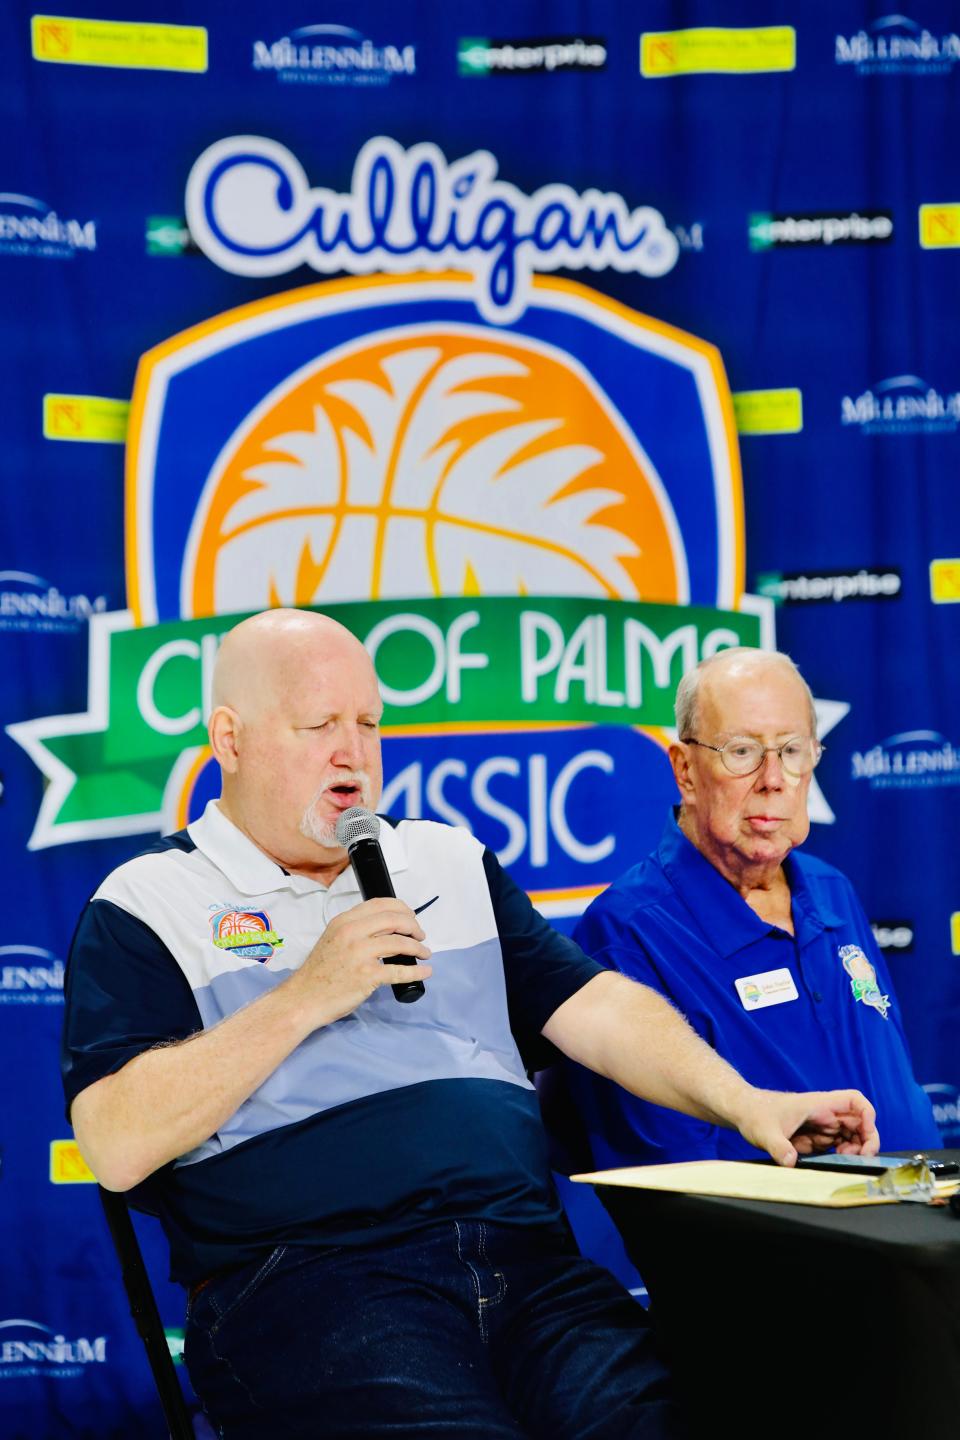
(810, 914)
(252, 872)
(724, 916)
(721, 914)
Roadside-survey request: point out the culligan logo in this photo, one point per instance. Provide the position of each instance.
(252, 211)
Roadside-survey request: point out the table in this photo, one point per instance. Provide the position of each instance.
(789, 1319)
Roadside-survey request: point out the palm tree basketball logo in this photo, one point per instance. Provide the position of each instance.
(376, 445)
(431, 462)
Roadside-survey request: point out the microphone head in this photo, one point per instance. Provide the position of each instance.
(356, 824)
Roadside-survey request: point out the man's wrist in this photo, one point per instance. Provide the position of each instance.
(733, 1101)
(294, 1010)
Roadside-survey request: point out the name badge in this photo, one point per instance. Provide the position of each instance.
(775, 987)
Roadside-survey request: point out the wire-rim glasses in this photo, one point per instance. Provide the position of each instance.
(742, 756)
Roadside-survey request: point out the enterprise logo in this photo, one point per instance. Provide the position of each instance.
(169, 235)
(895, 936)
(832, 585)
(946, 1110)
(854, 228)
(480, 57)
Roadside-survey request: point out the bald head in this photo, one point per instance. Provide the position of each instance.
(295, 727)
(740, 662)
(262, 660)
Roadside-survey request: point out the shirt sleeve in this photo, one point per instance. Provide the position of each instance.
(124, 993)
(542, 967)
(623, 1129)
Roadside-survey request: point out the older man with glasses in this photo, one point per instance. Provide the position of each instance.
(767, 952)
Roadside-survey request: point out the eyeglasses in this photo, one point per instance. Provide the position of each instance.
(741, 756)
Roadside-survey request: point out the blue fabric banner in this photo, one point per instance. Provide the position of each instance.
(553, 346)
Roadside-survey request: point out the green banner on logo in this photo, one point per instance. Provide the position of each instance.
(495, 662)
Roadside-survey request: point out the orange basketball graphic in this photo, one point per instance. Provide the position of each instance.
(433, 461)
(237, 923)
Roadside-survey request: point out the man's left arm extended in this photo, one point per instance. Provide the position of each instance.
(632, 1035)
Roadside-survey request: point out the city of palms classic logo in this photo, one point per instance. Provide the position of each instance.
(524, 497)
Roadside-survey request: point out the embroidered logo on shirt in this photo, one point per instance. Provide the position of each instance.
(863, 979)
(246, 933)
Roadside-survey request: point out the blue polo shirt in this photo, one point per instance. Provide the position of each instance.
(675, 924)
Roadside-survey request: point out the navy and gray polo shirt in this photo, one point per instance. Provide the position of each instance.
(809, 1011)
(387, 1119)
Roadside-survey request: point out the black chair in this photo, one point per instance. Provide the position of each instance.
(146, 1316)
(568, 1144)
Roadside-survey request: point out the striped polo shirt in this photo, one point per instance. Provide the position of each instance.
(387, 1119)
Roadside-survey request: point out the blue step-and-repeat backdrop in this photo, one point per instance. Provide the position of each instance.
(553, 346)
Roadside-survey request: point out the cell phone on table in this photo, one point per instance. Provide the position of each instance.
(944, 1169)
(875, 1164)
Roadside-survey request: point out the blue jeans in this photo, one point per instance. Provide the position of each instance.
(464, 1329)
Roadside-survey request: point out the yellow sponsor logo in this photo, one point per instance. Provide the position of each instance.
(955, 932)
(67, 1165)
(768, 412)
(715, 50)
(85, 417)
(940, 227)
(122, 44)
(945, 582)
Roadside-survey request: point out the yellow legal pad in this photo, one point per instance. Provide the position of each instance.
(741, 1181)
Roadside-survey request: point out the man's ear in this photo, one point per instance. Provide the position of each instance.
(682, 770)
(224, 728)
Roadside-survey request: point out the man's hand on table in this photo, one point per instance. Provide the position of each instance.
(788, 1125)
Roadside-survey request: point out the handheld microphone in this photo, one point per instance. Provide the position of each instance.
(357, 831)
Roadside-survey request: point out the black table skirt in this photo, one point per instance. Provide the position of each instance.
(790, 1319)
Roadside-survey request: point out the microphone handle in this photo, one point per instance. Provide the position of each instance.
(374, 881)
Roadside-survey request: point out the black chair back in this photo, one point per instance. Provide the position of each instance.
(568, 1142)
(146, 1316)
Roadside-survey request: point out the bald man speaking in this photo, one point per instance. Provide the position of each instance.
(356, 1192)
